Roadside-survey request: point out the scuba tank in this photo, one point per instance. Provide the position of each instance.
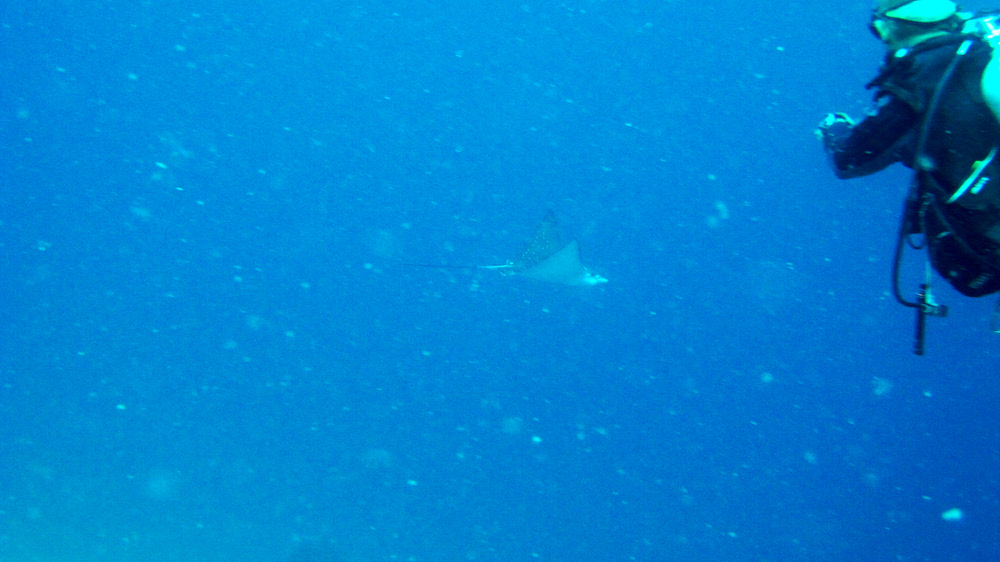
(987, 26)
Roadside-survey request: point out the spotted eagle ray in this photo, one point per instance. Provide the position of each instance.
(546, 258)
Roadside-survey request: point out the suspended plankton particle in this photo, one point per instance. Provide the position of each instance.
(953, 514)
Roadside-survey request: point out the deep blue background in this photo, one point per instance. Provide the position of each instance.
(211, 348)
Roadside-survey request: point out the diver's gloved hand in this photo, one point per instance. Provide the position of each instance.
(835, 125)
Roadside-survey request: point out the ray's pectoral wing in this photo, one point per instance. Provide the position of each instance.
(545, 243)
(560, 265)
(564, 267)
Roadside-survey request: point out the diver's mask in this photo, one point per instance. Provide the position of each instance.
(918, 13)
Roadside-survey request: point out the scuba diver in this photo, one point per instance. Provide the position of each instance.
(937, 98)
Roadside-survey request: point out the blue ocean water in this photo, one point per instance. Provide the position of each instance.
(213, 348)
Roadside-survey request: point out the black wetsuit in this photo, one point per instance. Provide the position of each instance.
(960, 216)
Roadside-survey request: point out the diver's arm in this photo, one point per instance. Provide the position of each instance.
(871, 145)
